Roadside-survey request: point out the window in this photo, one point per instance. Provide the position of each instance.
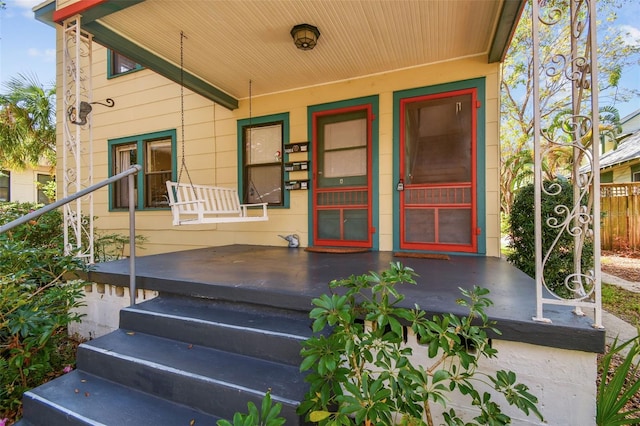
(606, 177)
(5, 180)
(261, 146)
(43, 180)
(119, 64)
(156, 153)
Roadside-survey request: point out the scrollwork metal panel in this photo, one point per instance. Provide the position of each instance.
(572, 136)
(77, 152)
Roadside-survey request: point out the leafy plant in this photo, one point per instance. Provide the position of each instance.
(362, 372)
(267, 416)
(624, 383)
(33, 324)
(559, 263)
(35, 303)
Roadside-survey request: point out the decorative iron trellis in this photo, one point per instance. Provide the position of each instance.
(77, 158)
(575, 61)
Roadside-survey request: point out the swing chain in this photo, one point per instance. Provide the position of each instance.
(183, 164)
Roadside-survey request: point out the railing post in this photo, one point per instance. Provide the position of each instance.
(132, 240)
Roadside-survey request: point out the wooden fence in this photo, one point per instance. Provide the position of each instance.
(620, 213)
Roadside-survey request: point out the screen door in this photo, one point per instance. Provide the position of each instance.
(437, 172)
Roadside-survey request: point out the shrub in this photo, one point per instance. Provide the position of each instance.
(361, 372)
(35, 303)
(559, 264)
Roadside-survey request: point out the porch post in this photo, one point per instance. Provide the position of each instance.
(577, 67)
(77, 160)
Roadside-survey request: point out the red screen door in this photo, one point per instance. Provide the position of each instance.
(342, 177)
(437, 170)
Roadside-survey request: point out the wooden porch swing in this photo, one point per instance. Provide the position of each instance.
(193, 204)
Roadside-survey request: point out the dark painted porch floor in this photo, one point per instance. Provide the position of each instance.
(290, 278)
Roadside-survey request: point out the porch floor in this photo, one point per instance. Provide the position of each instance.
(290, 278)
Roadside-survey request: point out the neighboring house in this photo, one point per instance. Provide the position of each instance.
(630, 124)
(620, 176)
(383, 138)
(25, 186)
(622, 164)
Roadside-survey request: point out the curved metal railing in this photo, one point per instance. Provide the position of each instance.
(129, 173)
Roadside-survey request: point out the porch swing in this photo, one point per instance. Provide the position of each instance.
(193, 204)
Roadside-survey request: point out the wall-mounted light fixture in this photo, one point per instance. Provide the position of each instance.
(305, 36)
(79, 117)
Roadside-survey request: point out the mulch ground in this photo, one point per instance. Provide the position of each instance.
(623, 264)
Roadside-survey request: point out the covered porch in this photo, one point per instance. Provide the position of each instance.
(225, 323)
(289, 278)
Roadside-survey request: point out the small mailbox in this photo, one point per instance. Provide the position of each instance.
(295, 166)
(296, 147)
(292, 185)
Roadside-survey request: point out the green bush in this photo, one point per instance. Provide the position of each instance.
(362, 373)
(35, 303)
(559, 264)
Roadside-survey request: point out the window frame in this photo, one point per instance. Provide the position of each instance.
(607, 177)
(6, 174)
(338, 117)
(635, 171)
(111, 73)
(140, 142)
(263, 121)
(39, 191)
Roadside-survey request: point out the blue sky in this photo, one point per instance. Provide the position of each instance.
(28, 46)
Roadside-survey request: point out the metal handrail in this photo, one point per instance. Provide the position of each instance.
(129, 173)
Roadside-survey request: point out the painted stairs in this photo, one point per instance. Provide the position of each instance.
(179, 360)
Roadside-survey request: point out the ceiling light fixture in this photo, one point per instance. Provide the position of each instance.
(305, 36)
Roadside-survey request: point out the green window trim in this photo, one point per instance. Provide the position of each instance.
(111, 60)
(282, 119)
(140, 142)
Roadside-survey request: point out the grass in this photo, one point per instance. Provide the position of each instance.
(622, 303)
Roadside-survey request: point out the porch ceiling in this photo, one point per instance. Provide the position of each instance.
(230, 42)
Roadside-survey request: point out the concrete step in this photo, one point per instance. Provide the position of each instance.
(206, 379)
(257, 331)
(178, 359)
(78, 398)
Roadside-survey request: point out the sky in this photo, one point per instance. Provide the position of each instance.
(28, 46)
